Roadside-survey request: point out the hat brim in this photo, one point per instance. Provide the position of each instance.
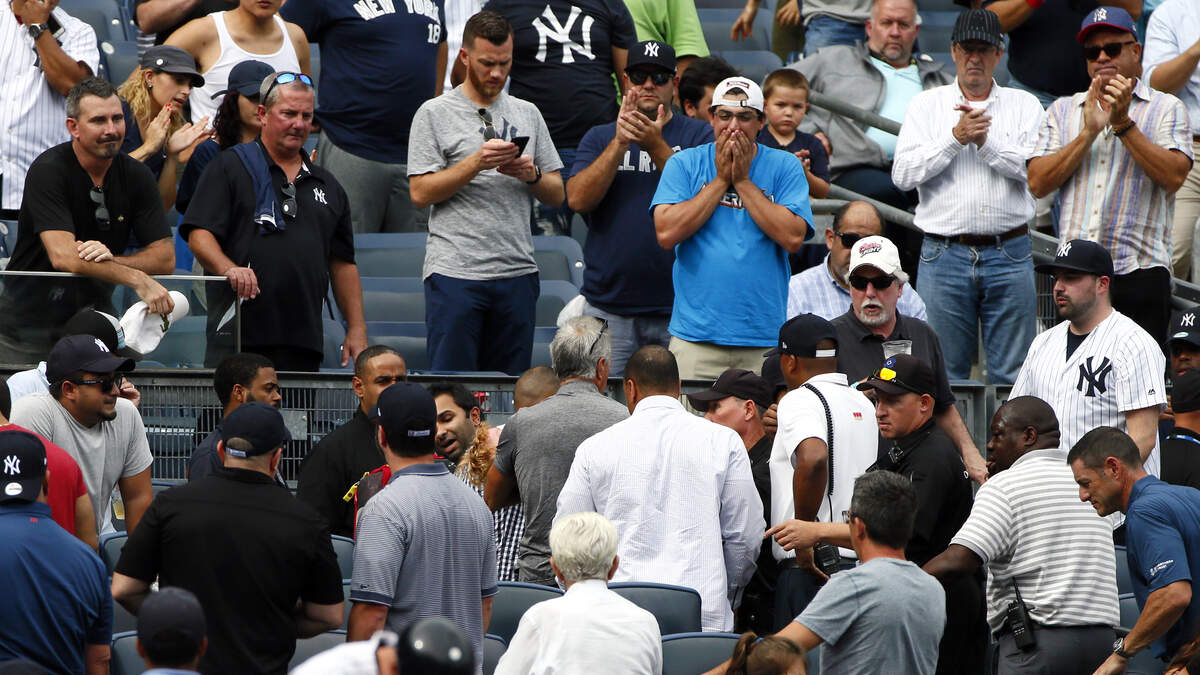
(108, 364)
(701, 399)
(197, 78)
(248, 90)
(892, 388)
(1185, 336)
(1048, 268)
(1083, 32)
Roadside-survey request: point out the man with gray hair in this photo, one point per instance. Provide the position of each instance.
(590, 629)
(278, 227)
(538, 444)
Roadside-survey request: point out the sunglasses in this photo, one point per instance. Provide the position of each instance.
(880, 283)
(285, 78)
(97, 197)
(289, 206)
(1111, 50)
(106, 384)
(743, 117)
(888, 375)
(658, 77)
(489, 131)
(848, 238)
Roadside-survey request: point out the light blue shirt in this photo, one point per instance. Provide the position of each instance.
(815, 291)
(900, 85)
(28, 382)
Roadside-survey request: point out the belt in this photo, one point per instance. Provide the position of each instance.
(982, 239)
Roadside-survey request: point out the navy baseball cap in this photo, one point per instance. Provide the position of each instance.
(651, 53)
(737, 382)
(1105, 17)
(83, 352)
(1184, 328)
(257, 422)
(772, 372)
(1080, 255)
(22, 466)
(800, 335)
(171, 620)
(902, 374)
(246, 77)
(408, 415)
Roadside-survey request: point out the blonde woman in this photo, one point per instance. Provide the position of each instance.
(153, 97)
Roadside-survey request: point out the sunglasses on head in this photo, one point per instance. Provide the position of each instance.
(880, 283)
(1111, 50)
(489, 131)
(888, 375)
(658, 77)
(285, 78)
(848, 238)
(603, 330)
(97, 197)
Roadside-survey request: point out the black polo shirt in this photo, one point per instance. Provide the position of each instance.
(292, 265)
(249, 551)
(336, 462)
(860, 352)
(57, 197)
(1181, 457)
(762, 584)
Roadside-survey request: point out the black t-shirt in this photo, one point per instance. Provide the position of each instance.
(562, 60)
(860, 352)
(1043, 53)
(338, 461)
(819, 159)
(1181, 457)
(249, 551)
(1073, 342)
(57, 197)
(292, 265)
(203, 8)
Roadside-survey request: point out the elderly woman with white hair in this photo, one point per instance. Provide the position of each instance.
(590, 629)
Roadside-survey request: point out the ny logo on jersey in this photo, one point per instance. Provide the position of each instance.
(1064, 249)
(319, 195)
(1093, 376)
(561, 33)
(651, 49)
(12, 465)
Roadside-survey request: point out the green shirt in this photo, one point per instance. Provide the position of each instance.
(674, 22)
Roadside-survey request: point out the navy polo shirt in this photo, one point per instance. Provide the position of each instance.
(56, 595)
(378, 62)
(1162, 529)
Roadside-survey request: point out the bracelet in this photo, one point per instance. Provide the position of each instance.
(538, 170)
(1034, 3)
(1123, 130)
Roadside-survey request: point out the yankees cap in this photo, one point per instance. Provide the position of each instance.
(800, 335)
(22, 466)
(1184, 328)
(408, 415)
(83, 353)
(902, 374)
(257, 423)
(1105, 17)
(651, 53)
(1080, 255)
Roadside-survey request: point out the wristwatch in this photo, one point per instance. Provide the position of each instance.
(538, 169)
(36, 29)
(1119, 648)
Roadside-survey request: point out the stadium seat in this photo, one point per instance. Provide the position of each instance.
(691, 653)
(306, 648)
(936, 28)
(104, 16)
(314, 62)
(494, 647)
(343, 548)
(1129, 610)
(347, 606)
(1142, 663)
(726, 4)
(393, 306)
(184, 343)
(412, 284)
(541, 354)
(548, 266)
(755, 65)
(412, 349)
(1124, 580)
(120, 59)
(123, 621)
(390, 255)
(125, 659)
(395, 328)
(110, 549)
(677, 608)
(727, 15)
(548, 307)
(510, 605)
(716, 34)
(334, 335)
(564, 290)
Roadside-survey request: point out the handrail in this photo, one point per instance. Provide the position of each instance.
(854, 112)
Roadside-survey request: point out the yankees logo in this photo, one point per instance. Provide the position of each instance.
(560, 32)
(652, 49)
(12, 465)
(1064, 250)
(1188, 319)
(1101, 14)
(319, 195)
(1094, 376)
(103, 347)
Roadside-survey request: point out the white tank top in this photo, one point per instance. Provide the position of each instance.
(216, 78)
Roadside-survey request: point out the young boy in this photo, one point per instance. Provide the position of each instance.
(785, 92)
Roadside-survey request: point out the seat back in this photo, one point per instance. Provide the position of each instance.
(1129, 610)
(347, 606)
(306, 648)
(343, 548)
(510, 605)
(125, 659)
(1124, 579)
(691, 653)
(110, 549)
(493, 648)
(677, 608)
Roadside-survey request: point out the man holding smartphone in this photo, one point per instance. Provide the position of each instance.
(481, 282)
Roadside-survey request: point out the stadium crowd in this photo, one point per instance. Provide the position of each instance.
(1070, 548)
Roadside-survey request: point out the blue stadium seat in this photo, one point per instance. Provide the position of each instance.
(1142, 663)
(412, 349)
(494, 647)
(716, 34)
(1124, 580)
(347, 605)
(936, 28)
(541, 354)
(1129, 610)
(512, 601)
(110, 549)
(334, 336)
(184, 343)
(727, 15)
(314, 62)
(691, 653)
(104, 16)
(564, 290)
(398, 284)
(677, 608)
(393, 306)
(755, 65)
(343, 548)
(123, 621)
(390, 255)
(724, 4)
(125, 659)
(120, 59)
(549, 267)
(548, 307)
(306, 648)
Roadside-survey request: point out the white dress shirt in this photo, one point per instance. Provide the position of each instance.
(966, 189)
(590, 630)
(678, 489)
(1174, 27)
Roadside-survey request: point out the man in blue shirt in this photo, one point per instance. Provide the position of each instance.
(627, 282)
(57, 609)
(732, 210)
(1162, 534)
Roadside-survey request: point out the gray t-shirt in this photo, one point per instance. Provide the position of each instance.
(884, 616)
(482, 232)
(538, 446)
(852, 11)
(105, 453)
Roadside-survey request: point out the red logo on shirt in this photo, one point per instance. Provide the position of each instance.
(858, 416)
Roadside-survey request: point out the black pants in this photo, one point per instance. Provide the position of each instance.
(1075, 650)
(1145, 296)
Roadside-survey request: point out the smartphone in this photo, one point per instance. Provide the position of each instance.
(521, 142)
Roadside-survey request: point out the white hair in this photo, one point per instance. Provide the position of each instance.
(583, 546)
(578, 346)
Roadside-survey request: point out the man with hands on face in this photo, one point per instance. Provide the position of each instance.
(732, 209)
(1118, 151)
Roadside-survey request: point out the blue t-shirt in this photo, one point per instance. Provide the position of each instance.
(731, 278)
(1162, 536)
(378, 61)
(56, 595)
(562, 60)
(819, 159)
(133, 141)
(628, 273)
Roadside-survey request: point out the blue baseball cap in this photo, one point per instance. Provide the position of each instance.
(257, 422)
(1105, 17)
(408, 415)
(245, 78)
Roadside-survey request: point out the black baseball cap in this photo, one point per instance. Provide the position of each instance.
(1185, 391)
(1080, 255)
(246, 77)
(434, 645)
(257, 422)
(171, 620)
(737, 382)
(104, 326)
(800, 335)
(83, 352)
(174, 60)
(902, 374)
(22, 466)
(651, 53)
(408, 416)
(1184, 328)
(772, 372)
(978, 25)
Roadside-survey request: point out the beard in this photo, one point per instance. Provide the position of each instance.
(1076, 310)
(883, 317)
(482, 86)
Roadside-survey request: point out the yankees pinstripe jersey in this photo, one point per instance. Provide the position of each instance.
(1116, 369)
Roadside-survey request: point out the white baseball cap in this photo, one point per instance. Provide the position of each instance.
(144, 331)
(754, 95)
(878, 252)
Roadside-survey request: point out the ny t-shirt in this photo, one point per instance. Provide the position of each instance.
(106, 452)
(482, 232)
(562, 60)
(731, 278)
(1043, 53)
(628, 273)
(371, 50)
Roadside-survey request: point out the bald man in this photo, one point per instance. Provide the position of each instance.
(534, 386)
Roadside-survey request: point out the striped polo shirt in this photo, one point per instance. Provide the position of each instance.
(427, 547)
(1029, 525)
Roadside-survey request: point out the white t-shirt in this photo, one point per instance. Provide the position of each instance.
(106, 453)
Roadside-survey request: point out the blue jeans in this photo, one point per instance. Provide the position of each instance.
(554, 219)
(824, 31)
(480, 325)
(964, 286)
(631, 333)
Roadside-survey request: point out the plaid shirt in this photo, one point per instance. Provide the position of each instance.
(1109, 199)
(510, 525)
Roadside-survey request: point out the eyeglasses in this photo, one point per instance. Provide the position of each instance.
(289, 206)
(743, 117)
(285, 78)
(489, 131)
(1111, 49)
(848, 516)
(880, 283)
(106, 384)
(658, 77)
(848, 238)
(97, 197)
